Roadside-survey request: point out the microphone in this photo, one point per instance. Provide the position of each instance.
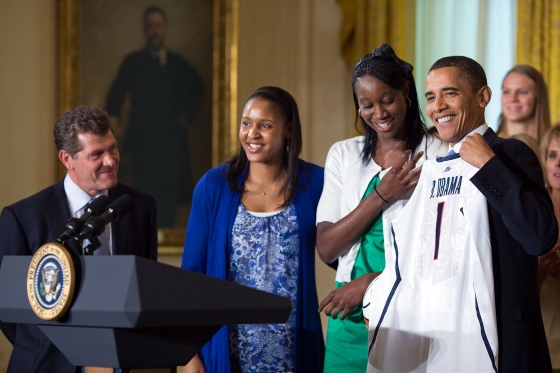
(95, 225)
(73, 226)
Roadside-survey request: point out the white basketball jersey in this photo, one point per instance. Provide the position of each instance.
(432, 309)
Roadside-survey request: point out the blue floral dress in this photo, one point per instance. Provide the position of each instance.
(264, 256)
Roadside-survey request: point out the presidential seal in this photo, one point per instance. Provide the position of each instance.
(50, 281)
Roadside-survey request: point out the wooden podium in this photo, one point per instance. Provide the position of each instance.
(130, 312)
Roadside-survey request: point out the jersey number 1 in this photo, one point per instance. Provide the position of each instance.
(438, 228)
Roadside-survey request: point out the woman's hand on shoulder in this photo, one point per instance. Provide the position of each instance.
(347, 297)
(402, 177)
(195, 365)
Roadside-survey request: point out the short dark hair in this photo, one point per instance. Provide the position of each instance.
(470, 71)
(83, 119)
(384, 65)
(153, 9)
(287, 107)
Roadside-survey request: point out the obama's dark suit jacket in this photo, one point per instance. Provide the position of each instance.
(522, 227)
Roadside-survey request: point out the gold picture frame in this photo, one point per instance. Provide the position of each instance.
(225, 35)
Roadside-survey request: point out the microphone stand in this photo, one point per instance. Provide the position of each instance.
(93, 245)
(95, 225)
(62, 239)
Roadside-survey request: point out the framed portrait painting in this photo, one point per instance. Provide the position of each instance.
(165, 72)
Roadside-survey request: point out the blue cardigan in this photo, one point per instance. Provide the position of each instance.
(207, 248)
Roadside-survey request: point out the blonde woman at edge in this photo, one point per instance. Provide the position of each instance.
(549, 263)
(525, 107)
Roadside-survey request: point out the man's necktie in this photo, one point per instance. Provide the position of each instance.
(104, 249)
(104, 240)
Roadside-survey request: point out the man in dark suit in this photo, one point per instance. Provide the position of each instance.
(522, 222)
(87, 148)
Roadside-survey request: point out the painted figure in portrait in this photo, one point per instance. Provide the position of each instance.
(165, 93)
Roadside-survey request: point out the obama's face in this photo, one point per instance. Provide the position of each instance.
(453, 106)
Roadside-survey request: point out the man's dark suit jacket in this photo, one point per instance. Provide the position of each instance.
(28, 224)
(522, 227)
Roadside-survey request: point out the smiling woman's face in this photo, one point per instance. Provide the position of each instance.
(518, 97)
(552, 164)
(263, 131)
(382, 107)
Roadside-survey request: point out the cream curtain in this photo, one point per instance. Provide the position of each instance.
(480, 29)
(366, 24)
(538, 44)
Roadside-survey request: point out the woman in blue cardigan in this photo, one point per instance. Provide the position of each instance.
(253, 222)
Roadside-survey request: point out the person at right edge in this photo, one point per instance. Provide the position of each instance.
(549, 263)
(361, 196)
(520, 211)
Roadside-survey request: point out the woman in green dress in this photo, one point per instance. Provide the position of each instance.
(368, 179)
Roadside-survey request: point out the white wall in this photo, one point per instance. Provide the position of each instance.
(27, 104)
(27, 97)
(294, 44)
